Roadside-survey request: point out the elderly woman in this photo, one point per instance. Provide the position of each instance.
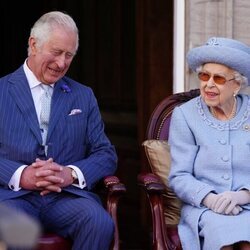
(210, 150)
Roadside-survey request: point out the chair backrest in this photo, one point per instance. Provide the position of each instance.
(158, 152)
(158, 126)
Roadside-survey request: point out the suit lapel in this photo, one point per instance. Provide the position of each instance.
(60, 105)
(21, 94)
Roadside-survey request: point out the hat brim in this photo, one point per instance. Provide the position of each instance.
(230, 57)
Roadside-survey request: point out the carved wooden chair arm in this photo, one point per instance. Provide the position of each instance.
(151, 183)
(113, 184)
(155, 188)
(115, 190)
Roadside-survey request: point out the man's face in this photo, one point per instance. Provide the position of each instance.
(51, 61)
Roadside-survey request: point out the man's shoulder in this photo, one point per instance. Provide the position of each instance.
(13, 76)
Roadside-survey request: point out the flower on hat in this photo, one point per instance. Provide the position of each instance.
(212, 41)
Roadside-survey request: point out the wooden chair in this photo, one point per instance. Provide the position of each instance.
(110, 190)
(164, 235)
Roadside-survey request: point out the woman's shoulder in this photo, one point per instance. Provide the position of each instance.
(187, 109)
(190, 104)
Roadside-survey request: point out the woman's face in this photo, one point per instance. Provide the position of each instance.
(216, 92)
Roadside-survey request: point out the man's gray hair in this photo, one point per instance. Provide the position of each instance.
(45, 25)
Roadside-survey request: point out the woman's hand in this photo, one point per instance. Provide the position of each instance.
(210, 200)
(228, 200)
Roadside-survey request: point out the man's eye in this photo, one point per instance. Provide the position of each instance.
(56, 53)
(69, 55)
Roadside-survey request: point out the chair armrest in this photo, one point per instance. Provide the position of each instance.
(115, 190)
(113, 184)
(151, 183)
(155, 188)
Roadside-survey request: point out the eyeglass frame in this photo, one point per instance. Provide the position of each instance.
(214, 78)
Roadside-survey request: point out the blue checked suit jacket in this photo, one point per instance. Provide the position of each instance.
(72, 139)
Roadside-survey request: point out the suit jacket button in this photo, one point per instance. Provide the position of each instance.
(41, 151)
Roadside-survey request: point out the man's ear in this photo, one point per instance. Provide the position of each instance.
(32, 45)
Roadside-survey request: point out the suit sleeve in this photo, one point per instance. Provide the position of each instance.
(101, 159)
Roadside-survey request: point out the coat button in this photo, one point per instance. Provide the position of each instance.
(225, 158)
(222, 142)
(226, 177)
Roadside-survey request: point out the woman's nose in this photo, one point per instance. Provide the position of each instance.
(210, 82)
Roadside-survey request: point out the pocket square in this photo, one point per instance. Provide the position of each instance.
(75, 111)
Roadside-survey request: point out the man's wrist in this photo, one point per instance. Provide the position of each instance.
(74, 175)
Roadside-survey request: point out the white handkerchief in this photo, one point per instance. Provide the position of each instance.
(75, 111)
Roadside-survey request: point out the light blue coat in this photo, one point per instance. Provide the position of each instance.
(208, 155)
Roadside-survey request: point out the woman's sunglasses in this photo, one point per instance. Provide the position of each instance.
(218, 79)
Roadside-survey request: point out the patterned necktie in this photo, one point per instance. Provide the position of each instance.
(45, 110)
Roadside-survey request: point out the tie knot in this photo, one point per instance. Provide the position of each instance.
(47, 88)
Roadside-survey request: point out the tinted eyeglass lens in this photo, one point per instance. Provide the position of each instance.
(216, 78)
(219, 79)
(204, 76)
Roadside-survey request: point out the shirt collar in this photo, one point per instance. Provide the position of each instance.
(32, 80)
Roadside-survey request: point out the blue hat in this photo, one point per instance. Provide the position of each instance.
(229, 52)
